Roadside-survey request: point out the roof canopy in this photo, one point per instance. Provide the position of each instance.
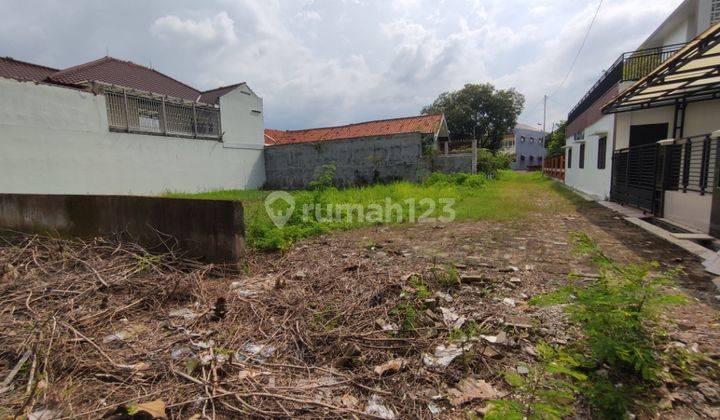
(691, 75)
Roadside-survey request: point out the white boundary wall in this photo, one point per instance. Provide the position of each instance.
(55, 140)
(591, 180)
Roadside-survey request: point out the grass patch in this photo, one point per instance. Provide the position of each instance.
(510, 196)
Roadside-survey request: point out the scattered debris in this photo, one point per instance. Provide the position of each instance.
(518, 321)
(128, 333)
(473, 278)
(386, 326)
(451, 318)
(444, 355)
(375, 407)
(44, 414)
(444, 296)
(152, 410)
(500, 338)
(349, 401)
(522, 369)
(259, 352)
(185, 313)
(509, 302)
(434, 409)
(391, 366)
(468, 389)
(509, 269)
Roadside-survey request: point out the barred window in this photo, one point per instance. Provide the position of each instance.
(715, 12)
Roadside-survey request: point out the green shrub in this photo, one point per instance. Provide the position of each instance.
(618, 314)
(547, 392)
(491, 163)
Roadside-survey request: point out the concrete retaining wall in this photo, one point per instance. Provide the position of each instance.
(359, 161)
(207, 229)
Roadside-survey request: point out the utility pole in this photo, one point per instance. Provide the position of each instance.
(544, 111)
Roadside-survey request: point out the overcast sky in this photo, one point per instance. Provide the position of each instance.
(329, 62)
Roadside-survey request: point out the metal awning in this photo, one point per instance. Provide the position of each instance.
(691, 75)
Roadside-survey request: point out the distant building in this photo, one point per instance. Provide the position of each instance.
(527, 144)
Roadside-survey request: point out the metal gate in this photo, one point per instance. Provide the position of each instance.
(635, 173)
(642, 174)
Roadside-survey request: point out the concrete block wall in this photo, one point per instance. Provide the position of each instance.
(358, 161)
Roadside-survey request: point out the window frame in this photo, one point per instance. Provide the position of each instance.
(581, 156)
(602, 153)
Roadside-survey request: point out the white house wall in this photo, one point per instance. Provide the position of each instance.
(591, 180)
(700, 118)
(56, 141)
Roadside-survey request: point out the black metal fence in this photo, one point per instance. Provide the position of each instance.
(641, 174)
(629, 66)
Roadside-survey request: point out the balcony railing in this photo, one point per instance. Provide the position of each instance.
(630, 66)
(142, 112)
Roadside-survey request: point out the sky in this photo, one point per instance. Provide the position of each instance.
(332, 62)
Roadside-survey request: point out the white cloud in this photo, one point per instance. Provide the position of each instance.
(330, 62)
(219, 28)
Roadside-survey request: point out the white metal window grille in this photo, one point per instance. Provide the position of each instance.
(131, 111)
(715, 12)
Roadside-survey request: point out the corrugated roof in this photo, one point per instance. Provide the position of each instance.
(212, 96)
(128, 74)
(21, 70)
(428, 124)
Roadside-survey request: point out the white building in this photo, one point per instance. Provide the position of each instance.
(115, 127)
(591, 134)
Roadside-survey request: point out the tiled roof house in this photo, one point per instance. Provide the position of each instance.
(426, 124)
(112, 71)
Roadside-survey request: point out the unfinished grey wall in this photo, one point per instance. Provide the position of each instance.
(452, 163)
(212, 230)
(358, 161)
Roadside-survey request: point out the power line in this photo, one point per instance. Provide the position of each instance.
(572, 66)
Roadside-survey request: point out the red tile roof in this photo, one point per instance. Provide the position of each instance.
(125, 73)
(112, 71)
(213, 96)
(428, 124)
(21, 70)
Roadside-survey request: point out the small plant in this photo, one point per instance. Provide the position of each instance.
(447, 276)
(409, 310)
(619, 316)
(468, 331)
(546, 392)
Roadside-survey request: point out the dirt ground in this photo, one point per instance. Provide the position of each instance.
(309, 333)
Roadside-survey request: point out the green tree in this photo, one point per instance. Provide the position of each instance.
(479, 110)
(556, 142)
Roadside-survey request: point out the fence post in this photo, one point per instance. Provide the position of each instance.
(686, 164)
(127, 113)
(164, 116)
(705, 165)
(194, 121)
